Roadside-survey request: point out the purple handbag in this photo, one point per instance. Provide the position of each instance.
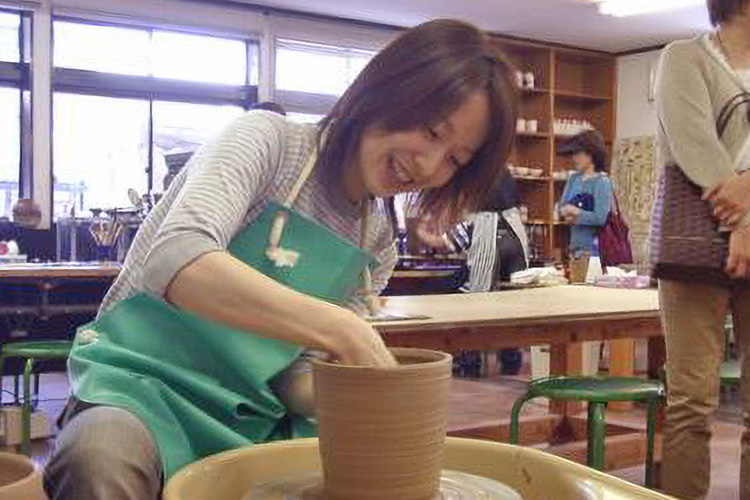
(686, 244)
(614, 243)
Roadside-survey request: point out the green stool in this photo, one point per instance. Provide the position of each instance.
(598, 391)
(31, 351)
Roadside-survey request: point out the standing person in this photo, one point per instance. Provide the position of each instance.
(496, 245)
(585, 202)
(696, 79)
(256, 252)
(499, 248)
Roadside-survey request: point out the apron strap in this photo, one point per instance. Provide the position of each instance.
(303, 176)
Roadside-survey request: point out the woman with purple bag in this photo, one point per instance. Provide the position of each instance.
(585, 202)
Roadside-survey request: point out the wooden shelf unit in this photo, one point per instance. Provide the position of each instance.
(569, 84)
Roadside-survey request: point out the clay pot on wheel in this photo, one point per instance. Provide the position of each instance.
(19, 478)
(382, 430)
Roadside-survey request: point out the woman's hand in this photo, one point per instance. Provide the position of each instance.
(738, 263)
(569, 213)
(355, 342)
(431, 236)
(731, 199)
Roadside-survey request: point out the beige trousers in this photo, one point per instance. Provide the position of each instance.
(693, 316)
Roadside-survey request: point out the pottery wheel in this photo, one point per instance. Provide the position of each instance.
(453, 486)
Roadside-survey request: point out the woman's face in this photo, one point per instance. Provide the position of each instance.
(582, 162)
(427, 157)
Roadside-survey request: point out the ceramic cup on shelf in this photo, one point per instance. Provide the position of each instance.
(382, 430)
(520, 125)
(532, 126)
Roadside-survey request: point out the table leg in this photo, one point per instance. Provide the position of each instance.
(565, 359)
(621, 364)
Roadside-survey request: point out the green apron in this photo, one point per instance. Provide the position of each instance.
(199, 386)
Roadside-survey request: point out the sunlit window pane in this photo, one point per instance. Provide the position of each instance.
(100, 150)
(181, 128)
(317, 69)
(199, 58)
(10, 148)
(106, 49)
(9, 26)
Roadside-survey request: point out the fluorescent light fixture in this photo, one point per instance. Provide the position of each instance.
(622, 8)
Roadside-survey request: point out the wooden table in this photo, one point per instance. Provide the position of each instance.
(561, 316)
(48, 276)
(64, 270)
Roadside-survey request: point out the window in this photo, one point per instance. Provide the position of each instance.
(9, 26)
(106, 49)
(120, 115)
(182, 127)
(140, 52)
(13, 81)
(10, 148)
(100, 149)
(199, 58)
(318, 69)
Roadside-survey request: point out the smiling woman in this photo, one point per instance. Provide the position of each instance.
(256, 252)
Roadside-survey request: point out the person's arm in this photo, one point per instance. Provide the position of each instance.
(220, 287)
(189, 265)
(602, 197)
(223, 179)
(566, 192)
(686, 116)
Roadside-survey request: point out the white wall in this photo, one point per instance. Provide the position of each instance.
(636, 115)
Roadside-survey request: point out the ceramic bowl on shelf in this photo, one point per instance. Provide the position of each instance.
(522, 171)
(536, 172)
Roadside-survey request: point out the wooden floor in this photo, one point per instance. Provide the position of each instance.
(486, 401)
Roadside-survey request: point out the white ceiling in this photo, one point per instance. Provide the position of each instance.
(571, 22)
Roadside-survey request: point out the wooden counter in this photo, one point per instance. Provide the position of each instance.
(32, 271)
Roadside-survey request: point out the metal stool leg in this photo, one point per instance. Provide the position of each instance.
(652, 408)
(35, 401)
(16, 393)
(2, 367)
(597, 430)
(515, 415)
(26, 413)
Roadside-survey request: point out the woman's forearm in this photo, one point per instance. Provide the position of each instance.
(222, 288)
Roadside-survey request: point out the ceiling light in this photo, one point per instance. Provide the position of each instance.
(622, 8)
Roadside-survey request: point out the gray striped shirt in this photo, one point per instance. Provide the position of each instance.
(224, 187)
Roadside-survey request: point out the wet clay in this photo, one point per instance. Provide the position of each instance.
(453, 486)
(382, 430)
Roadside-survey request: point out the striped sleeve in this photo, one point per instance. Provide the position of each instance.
(222, 180)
